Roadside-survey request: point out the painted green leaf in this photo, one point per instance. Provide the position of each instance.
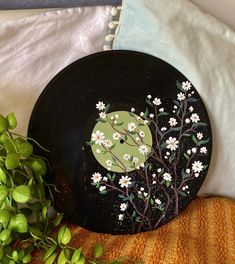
(200, 124)
(107, 108)
(90, 143)
(202, 142)
(100, 120)
(58, 219)
(168, 183)
(179, 86)
(119, 124)
(195, 140)
(191, 100)
(51, 259)
(76, 256)
(11, 119)
(186, 156)
(175, 129)
(163, 114)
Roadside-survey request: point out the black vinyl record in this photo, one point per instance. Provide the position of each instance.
(129, 138)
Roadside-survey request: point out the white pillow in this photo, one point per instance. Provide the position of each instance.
(203, 49)
(34, 49)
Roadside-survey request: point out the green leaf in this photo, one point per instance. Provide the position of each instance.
(82, 260)
(58, 219)
(176, 102)
(21, 194)
(44, 212)
(100, 120)
(51, 259)
(15, 255)
(25, 149)
(64, 235)
(27, 258)
(49, 252)
(4, 216)
(186, 135)
(175, 129)
(3, 192)
(19, 223)
(3, 124)
(12, 161)
(200, 124)
(90, 143)
(202, 142)
(107, 108)
(186, 156)
(182, 193)
(62, 258)
(163, 114)
(35, 233)
(195, 140)
(164, 145)
(119, 124)
(11, 119)
(191, 100)
(168, 184)
(76, 256)
(113, 177)
(98, 251)
(146, 112)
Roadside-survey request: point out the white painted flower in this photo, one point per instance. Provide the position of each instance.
(120, 217)
(159, 170)
(109, 163)
(199, 135)
(142, 134)
(187, 121)
(116, 136)
(137, 139)
(142, 114)
(172, 143)
(126, 156)
(154, 175)
(108, 143)
(196, 175)
(157, 101)
(125, 181)
(192, 92)
(96, 177)
(132, 110)
(100, 106)
(131, 126)
(138, 117)
(191, 109)
(142, 165)
(187, 171)
(145, 194)
(98, 151)
(197, 166)
(195, 118)
(186, 85)
(175, 106)
(98, 137)
(194, 150)
(167, 176)
(143, 149)
(142, 189)
(180, 96)
(189, 151)
(165, 157)
(139, 192)
(154, 182)
(105, 179)
(151, 115)
(149, 96)
(173, 111)
(172, 122)
(203, 150)
(161, 110)
(115, 121)
(168, 153)
(158, 201)
(102, 188)
(102, 115)
(146, 122)
(135, 160)
(116, 116)
(189, 95)
(123, 207)
(163, 129)
(112, 117)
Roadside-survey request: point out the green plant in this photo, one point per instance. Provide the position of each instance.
(24, 221)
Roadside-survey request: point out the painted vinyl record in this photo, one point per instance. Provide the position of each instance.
(129, 138)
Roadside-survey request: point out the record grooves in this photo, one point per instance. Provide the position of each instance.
(130, 141)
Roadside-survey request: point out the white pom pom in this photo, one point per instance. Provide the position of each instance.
(114, 11)
(109, 38)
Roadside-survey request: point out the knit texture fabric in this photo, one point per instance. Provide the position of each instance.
(203, 233)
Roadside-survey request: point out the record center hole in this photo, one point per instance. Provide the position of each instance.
(122, 141)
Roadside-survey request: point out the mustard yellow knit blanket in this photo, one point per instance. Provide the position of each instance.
(203, 233)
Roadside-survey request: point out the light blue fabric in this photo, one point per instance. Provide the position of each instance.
(203, 49)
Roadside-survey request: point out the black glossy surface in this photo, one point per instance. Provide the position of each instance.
(63, 119)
